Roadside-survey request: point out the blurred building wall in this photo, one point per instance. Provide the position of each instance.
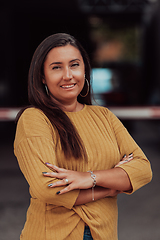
(24, 24)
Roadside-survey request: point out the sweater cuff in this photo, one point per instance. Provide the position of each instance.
(69, 198)
(138, 177)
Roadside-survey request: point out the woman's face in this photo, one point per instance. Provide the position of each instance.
(64, 72)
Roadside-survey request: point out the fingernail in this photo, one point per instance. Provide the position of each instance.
(58, 192)
(124, 155)
(130, 153)
(49, 185)
(47, 163)
(44, 172)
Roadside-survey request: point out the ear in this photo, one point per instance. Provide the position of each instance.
(43, 81)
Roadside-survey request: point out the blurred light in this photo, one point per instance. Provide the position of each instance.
(101, 80)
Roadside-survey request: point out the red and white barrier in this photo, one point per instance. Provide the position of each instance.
(8, 114)
(130, 113)
(136, 112)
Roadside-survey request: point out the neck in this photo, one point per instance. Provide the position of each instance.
(72, 107)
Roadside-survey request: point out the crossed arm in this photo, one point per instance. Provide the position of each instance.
(109, 183)
(34, 144)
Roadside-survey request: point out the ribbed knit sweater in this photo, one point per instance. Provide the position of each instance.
(106, 140)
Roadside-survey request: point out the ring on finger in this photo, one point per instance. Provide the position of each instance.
(66, 180)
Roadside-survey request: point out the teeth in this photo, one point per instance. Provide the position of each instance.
(68, 86)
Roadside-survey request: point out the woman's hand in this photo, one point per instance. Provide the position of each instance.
(76, 180)
(125, 159)
(73, 179)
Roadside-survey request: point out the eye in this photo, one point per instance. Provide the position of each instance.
(55, 67)
(75, 65)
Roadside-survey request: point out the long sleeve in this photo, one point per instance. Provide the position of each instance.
(139, 169)
(106, 141)
(34, 145)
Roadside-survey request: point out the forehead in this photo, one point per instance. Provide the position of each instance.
(64, 53)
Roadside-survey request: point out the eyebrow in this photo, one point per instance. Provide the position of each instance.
(61, 62)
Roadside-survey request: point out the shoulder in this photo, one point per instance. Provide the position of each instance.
(32, 112)
(32, 123)
(32, 116)
(99, 110)
(104, 114)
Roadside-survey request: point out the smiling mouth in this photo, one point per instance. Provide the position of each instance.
(68, 86)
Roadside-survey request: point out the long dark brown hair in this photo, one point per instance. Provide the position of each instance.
(70, 140)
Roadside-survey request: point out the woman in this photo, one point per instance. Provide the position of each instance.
(70, 151)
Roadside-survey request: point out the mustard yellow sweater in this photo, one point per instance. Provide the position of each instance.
(54, 217)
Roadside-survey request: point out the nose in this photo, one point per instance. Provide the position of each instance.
(67, 75)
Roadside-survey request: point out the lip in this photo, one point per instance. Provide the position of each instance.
(68, 86)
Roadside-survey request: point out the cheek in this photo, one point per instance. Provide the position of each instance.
(51, 78)
(80, 75)
(81, 80)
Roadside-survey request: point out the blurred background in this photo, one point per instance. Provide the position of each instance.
(122, 38)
